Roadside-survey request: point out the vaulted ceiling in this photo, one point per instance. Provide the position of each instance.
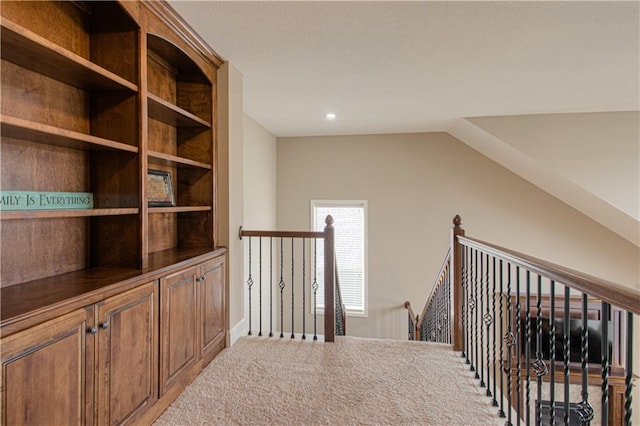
(396, 66)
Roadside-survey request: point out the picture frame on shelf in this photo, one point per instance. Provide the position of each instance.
(159, 189)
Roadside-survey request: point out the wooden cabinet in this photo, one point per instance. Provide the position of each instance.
(54, 355)
(127, 355)
(212, 317)
(192, 320)
(94, 96)
(51, 372)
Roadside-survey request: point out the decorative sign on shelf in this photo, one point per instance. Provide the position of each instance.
(159, 189)
(38, 200)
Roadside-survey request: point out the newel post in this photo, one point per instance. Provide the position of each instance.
(329, 283)
(456, 267)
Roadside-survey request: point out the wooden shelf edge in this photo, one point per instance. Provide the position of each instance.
(179, 209)
(180, 161)
(172, 114)
(19, 128)
(51, 214)
(31, 51)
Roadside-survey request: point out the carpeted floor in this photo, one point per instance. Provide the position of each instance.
(271, 381)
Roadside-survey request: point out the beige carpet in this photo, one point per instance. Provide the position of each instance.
(271, 381)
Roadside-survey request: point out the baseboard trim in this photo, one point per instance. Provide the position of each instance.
(239, 330)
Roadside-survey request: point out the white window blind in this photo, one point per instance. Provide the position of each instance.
(350, 245)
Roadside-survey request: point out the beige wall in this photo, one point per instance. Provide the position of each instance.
(598, 151)
(259, 204)
(415, 184)
(230, 195)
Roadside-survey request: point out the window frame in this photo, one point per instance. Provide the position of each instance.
(337, 204)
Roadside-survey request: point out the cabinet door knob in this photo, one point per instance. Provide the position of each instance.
(93, 330)
(202, 278)
(105, 325)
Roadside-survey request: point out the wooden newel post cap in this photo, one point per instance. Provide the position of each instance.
(329, 220)
(457, 221)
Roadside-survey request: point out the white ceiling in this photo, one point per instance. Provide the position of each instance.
(389, 67)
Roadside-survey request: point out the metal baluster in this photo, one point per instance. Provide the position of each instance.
(604, 415)
(270, 286)
(480, 323)
(518, 348)
(472, 306)
(293, 335)
(488, 319)
(260, 287)
(314, 287)
(567, 352)
(585, 410)
(304, 306)
(629, 379)
(509, 340)
(501, 409)
(281, 285)
(540, 367)
(552, 353)
(250, 284)
(527, 334)
(494, 402)
(465, 296)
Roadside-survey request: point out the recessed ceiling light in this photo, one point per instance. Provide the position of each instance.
(330, 116)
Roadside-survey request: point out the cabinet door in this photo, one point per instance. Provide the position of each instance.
(212, 316)
(178, 326)
(44, 373)
(127, 354)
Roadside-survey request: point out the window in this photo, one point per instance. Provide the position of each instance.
(350, 223)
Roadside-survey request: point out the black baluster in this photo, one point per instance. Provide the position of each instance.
(314, 287)
(281, 285)
(566, 351)
(488, 319)
(606, 363)
(480, 323)
(585, 410)
(494, 402)
(250, 284)
(518, 348)
(539, 367)
(527, 335)
(628, 381)
(260, 287)
(475, 314)
(510, 341)
(465, 297)
(304, 306)
(501, 409)
(293, 335)
(552, 353)
(270, 286)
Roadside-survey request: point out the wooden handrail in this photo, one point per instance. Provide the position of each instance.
(439, 280)
(607, 291)
(282, 234)
(412, 314)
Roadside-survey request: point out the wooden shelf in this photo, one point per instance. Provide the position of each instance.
(31, 51)
(49, 214)
(170, 160)
(173, 115)
(179, 209)
(35, 132)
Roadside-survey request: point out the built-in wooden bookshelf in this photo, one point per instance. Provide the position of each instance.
(94, 95)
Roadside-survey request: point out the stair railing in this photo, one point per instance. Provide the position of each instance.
(284, 284)
(521, 321)
(434, 323)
